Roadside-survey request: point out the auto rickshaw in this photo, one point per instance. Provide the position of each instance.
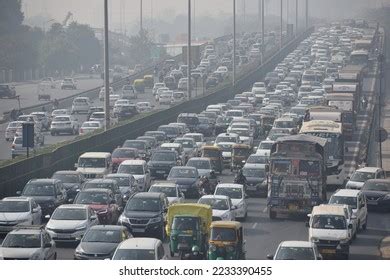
(188, 225)
(240, 153)
(214, 153)
(139, 85)
(226, 241)
(266, 123)
(149, 81)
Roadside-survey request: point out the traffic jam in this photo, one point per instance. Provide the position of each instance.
(181, 190)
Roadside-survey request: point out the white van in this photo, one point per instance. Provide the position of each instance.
(329, 230)
(81, 104)
(94, 165)
(140, 248)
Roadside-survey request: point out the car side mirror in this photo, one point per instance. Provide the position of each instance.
(94, 217)
(348, 178)
(234, 207)
(270, 257)
(35, 210)
(48, 245)
(165, 210)
(70, 200)
(350, 226)
(47, 217)
(19, 192)
(266, 168)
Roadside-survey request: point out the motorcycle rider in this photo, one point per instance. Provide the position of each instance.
(240, 178)
(205, 185)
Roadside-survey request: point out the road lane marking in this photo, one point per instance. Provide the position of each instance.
(254, 226)
(265, 210)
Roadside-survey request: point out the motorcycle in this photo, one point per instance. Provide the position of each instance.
(205, 186)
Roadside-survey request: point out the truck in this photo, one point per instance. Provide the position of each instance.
(297, 175)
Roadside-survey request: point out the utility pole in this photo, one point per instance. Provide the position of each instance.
(307, 14)
(262, 30)
(296, 17)
(287, 13)
(189, 52)
(281, 23)
(106, 69)
(259, 14)
(244, 14)
(234, 43)
(140, 16)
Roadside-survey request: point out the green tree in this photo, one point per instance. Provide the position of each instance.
(11, 16)
(140, 48)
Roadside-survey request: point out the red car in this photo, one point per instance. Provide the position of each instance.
(103, 202)
(121, 154)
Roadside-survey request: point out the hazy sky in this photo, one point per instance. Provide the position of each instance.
(91, 11)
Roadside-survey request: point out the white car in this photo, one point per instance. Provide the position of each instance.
(119, 104)
(113, 98)
(139, 169)
(158, 86)
(16, 211)
(144, 107)
(170, 189)
(31, 119)
(69, 222)
(102, 93)
(59, 112)
(64, 124)
(222, 206)
(165, 98)
(223, 70)
(81, 104)
(296, 250)
(198, 137)
(11, 129)
(357, 201)
(360, 176)
(238, 197)
(141, 248)
(48, 81)
(264, 148)
(89, 127)
(128, 92)
(68, 83)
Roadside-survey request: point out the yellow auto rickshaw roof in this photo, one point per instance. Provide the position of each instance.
(226, 224)
(139, 81)
(241, 146)
(209, 147)
(148, 76)
(203, 211)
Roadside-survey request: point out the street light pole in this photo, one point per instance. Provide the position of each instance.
(234, 43)
(281, 23)
(307, 14)
(262, 30)
(296, 17)
(106, 69)
(140, 16)
(189, 51)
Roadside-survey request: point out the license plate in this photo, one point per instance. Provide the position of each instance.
(372, 202)
(160, 172)
(328, 251)
(292, 207)
(138, 230)
(63, 236)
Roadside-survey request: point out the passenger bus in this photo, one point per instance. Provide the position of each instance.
(297, 179)
(333, 133)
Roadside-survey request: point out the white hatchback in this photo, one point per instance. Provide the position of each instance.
(237, 194)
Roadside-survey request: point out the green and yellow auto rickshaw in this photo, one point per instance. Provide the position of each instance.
(240, 153)
(226, 241)
(214, 153)
(188, 225)
(139, 85)
(149, 81)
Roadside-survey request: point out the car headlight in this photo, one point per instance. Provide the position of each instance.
(224, 216)
(344, 241)
(49, 228)
(314, 239)
(79, 251)
(155, 220)
(81, 228)
(123, 219)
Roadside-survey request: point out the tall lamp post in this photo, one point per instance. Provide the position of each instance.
(140, 16)
(234, 43)
(189, 51)
(296, 17)
(281, 23)
(106, 69)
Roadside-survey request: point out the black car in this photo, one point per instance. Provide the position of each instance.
(256, 179)
(109, 184)
(161, 162)
(7, 91)
(48, 193)
(221, 124)
(205, 127)
(211, 82)
(187, 178)
(144, 214)
(126, 111)
(71, 180)
(100, 242)
(377, 192)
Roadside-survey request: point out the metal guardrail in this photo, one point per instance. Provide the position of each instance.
(15, 175)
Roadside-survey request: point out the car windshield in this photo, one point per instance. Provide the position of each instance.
(143, 204)
(185, 143)
(225, 147)
(122, 181)
(123, 153)
(14, 206)
(37, 189)
(329, 222)
(227, 139)
(284, 124)
(199, 164)
(215, 203)
(97, 185)
(22, 241)
(211, 153)
(168, 191)
(102, 236)
(134, 254)
(295, 253)
(348, 200)
(67, 178)
(90, 124)
(61, 119)
(362, 176)
(92, 198)
(183, 173)
(241, 132)
(169, 130)
(257, 159)
(377, 186)
(223, 234)
(253, 172)
(69, 214)
(131, 169)
(233, 193)
(92, 162)
(185, 223)
(135, 144)
(163, 157)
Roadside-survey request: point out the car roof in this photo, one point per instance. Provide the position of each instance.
(108, 227)
(44, 180)
(199, 159)
(97, 190)
(301, 244)
(133, 162)
(73, 206)
(215, 196)
(368, 169)
(347, 192)
(229, 185)
(72, 172)
(139, 243)
(329, 209)
(95, 154)
(17, 198)
(255, 165)
(148, 195)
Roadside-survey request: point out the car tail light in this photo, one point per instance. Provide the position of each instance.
(13, 146)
